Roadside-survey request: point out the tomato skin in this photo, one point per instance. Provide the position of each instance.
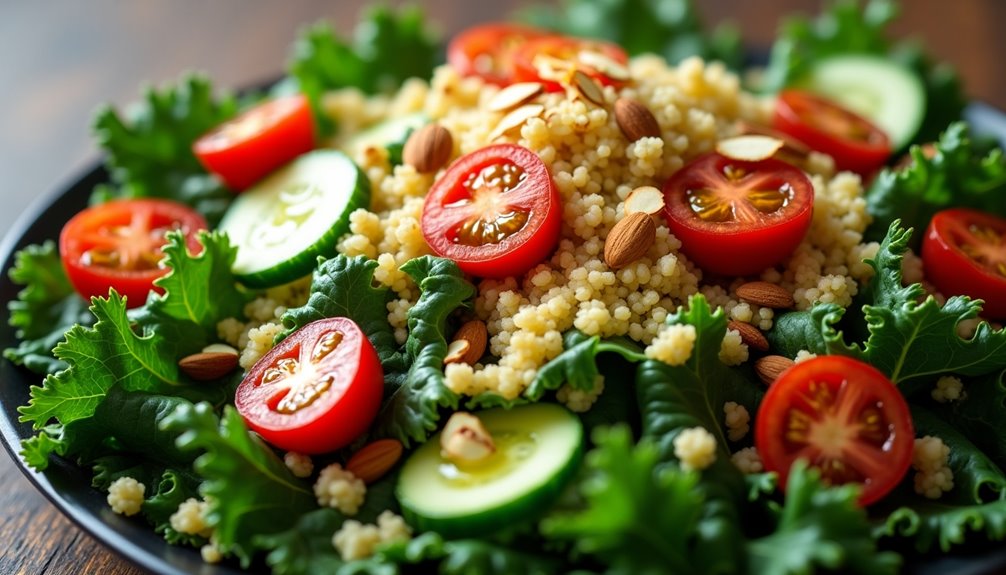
(889, 457)
(737, 248)
(800, 114)
(487, 50)
(953, 271)
(139, 219)
(243, 150)
(340, 414)
(564, 48)
(518, 252)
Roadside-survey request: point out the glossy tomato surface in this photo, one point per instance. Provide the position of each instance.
(243, 150)
(316, 391)
(964, 253)
(844, 417)
(738, 218)
(568, 51)
(487, 50)
(496, 212)
(119, 245)
(854, 142)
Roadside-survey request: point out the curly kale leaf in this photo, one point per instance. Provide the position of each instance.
(978, 414)
(44, 310)
(577, 364)
(820, 528)
(171, 490)
(150, 149)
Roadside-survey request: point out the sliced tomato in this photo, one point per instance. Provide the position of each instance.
(569, 53)
(487, 50)
(855, 143)
(243, 150)
(118, 245)
(964, 253)
(496, 212)
(844, 417)
(316, 391)
(738, 218)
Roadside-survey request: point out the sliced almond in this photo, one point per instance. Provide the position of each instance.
(465, 439)
(635, 120)
(375, 460)
(603, 64)
(516, 118)
(769, 368)
(644, 199)
(207, 366)
(552, 68)
(456, 351)
(629, 240)
(514, 95)
(751, 148)
(750, 335)
(766, 294)
(428, 148)
(588, 88)
(469, 343)
(793, 150)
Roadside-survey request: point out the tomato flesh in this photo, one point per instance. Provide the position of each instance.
(316, 391)
(964, 253)
(565, 51)
(243, 150)
(844, 417)
(487, 51)
(119, 245)
(496, 212)
(854, 142)
(738, 218)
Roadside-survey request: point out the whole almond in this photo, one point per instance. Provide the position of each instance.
(769, 367)
(635, 120)
(469, 343)
(629, 240)
(750, 335)
(375, 460)
(428, 148)
(207, 366)
(766, 294)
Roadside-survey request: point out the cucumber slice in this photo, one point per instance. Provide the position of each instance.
(283, 223)
(881, 90)
(538, 449)
(390, 134)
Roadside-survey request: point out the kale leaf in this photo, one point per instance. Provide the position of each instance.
(577, 364)
(978, 414)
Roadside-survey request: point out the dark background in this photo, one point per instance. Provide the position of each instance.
(60, 59)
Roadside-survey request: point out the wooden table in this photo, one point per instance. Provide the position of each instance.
(60, 59)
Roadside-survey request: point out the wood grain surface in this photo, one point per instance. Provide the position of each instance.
(60, 59)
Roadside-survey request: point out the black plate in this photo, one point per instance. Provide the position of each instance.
(69, 487)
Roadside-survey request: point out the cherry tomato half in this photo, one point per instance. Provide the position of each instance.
(844, 417)
(738, 218)
(496, 212)
(316, 391)
(487, 50)
(964, 253)
(853, 141)
(243, 150)
(118, 245)
(528, 56)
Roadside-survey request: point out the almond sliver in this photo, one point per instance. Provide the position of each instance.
(749, 148)
(645, 199)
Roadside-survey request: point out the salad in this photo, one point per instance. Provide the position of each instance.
(580, 298)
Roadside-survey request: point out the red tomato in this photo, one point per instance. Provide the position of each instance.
(487, 51)
(243, 150)
(964, 253)
(853, 141)
(844, 417)
(528, 56)
(118, 245)
(738, 218)
(496, 212)
(316, 391)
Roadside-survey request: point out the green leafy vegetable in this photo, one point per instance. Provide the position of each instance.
(307, 547)
(173, 489)
(820, 528)
(669, 28)
(150, 151)
(978, 415)
(959, 174)
(249, 489)
(465, 557)
(577, 365)
(45, 309)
